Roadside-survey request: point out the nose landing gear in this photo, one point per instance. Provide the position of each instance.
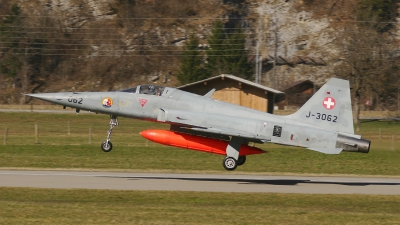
(106, 146)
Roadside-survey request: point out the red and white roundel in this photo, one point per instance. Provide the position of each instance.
(329, 103)
(107, 102)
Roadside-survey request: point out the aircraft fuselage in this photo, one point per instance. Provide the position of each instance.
(179, 107)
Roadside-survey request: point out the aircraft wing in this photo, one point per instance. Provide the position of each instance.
(228, 132)
(208, 123)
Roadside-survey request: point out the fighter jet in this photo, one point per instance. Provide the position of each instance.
(324, 123)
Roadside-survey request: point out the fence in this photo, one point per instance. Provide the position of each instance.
(63, 132)
(126, 134)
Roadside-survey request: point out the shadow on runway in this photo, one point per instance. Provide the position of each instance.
(283, 182)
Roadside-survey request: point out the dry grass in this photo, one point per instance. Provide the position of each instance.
(51, 206)
(57, 149)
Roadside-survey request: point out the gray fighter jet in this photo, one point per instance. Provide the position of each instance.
(323, 124)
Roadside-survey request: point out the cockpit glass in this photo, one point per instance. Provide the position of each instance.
(130, 90)
(146, 89)
(151, 90)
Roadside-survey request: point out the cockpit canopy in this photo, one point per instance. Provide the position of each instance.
(147, 89)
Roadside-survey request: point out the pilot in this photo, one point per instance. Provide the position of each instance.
(158, 92)
(151, 90)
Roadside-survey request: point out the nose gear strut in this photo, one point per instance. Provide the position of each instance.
(106, 146)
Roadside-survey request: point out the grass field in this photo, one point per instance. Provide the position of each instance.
(63, 148)
(57, 149)
(53, 206)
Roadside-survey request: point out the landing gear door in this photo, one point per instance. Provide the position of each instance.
(161, 115)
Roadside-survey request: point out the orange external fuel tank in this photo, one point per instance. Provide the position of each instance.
(198, 143)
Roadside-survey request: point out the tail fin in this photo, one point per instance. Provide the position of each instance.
(329, 108)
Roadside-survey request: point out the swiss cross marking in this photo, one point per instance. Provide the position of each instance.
(329, 103)
(142, 102)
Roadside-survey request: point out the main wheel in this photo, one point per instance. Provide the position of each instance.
(106, 146)
(229, 163)
(241, 160)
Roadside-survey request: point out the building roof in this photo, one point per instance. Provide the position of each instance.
(298, 83)
(237, 79)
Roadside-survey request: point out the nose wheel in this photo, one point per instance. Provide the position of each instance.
(106, 146)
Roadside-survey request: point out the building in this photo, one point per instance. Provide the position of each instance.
(296, 94)
(236, 90)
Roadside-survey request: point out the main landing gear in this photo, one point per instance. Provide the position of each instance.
(233, 159)
(231, 163)
(106, 146)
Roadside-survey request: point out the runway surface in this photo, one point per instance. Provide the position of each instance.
(199, 182)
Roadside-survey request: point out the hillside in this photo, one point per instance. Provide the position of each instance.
(87, 45)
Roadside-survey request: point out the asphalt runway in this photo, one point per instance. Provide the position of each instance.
(199, 182)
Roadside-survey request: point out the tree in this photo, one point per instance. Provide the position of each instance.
(366, 64)
(368, 61)
(227, 53)
(28, 56)
(235, 58)
(10, 36)
(377, 13)
(192, 66)
(216, 50)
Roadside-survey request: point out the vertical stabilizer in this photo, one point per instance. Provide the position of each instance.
(329, 108)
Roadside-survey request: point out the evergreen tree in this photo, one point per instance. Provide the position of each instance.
(235, 58)
(23, 59)
(377, 13)
(11, 36)
(216, 51)
(227, 54)
(192, 68)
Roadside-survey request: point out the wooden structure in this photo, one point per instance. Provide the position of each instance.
(236, 90)
(296, 94)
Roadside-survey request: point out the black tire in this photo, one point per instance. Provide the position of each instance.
(106, 146)
(241, 160)
(229, 163)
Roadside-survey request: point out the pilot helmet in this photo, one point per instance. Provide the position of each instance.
(151, 88)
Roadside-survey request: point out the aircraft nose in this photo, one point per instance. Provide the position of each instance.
(43, 96)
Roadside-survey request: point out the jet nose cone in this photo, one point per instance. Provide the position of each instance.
(43, 96)
(56, 98)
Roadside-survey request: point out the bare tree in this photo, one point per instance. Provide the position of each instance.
(366, 63)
